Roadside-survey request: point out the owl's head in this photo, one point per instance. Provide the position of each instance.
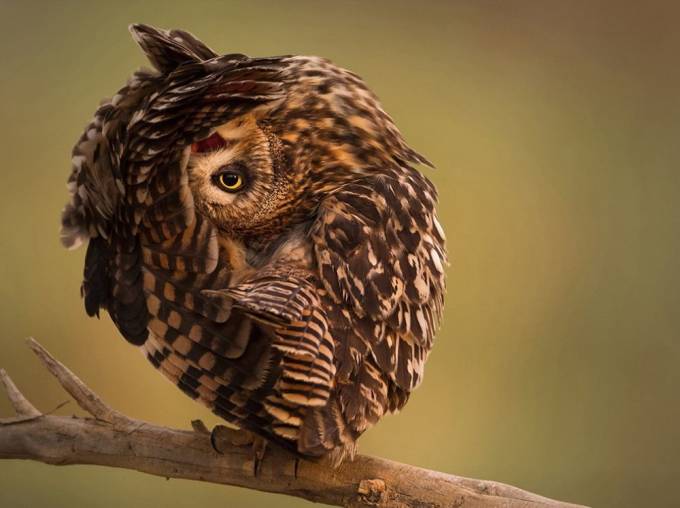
(240, 177)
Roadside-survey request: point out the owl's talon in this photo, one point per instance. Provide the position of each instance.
(296, 465)
(219, 433)
(213, 444)
(259, 449)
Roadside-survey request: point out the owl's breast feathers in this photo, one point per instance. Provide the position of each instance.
(307, 344)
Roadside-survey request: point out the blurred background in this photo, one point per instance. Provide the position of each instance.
(555, 128)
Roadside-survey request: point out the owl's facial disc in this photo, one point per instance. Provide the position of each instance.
(233, 178)
(217, 172)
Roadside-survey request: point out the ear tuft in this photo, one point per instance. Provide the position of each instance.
(167, 49)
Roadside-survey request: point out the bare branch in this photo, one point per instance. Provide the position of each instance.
(114, 440)
(22, 407)
(83, 395)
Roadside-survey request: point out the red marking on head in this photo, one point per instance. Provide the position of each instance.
(209, 144)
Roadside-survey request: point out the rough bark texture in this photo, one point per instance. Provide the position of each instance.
(111, 439)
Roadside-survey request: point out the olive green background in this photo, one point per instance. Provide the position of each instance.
(555, 127)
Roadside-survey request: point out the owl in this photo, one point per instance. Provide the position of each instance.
(257, 228)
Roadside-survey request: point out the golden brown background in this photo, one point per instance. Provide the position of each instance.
(555, 126)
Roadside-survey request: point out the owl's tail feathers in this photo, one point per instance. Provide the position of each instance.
(325, 432)
(167, 49)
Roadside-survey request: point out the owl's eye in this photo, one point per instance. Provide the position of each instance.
(230, 179)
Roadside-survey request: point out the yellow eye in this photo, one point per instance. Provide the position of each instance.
(230, 182)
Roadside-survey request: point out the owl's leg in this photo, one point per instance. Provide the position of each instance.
(242, 437)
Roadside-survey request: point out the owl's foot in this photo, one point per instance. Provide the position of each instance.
(219, 435)
(258, 447)
(222, 434)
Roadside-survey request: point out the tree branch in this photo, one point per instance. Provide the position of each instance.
(113, 439)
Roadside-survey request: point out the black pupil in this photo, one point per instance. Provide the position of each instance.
(230, 179)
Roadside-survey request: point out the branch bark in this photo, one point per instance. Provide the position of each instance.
(109, 438)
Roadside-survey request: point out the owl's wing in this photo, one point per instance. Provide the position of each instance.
(380, 252)
(289, 306)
